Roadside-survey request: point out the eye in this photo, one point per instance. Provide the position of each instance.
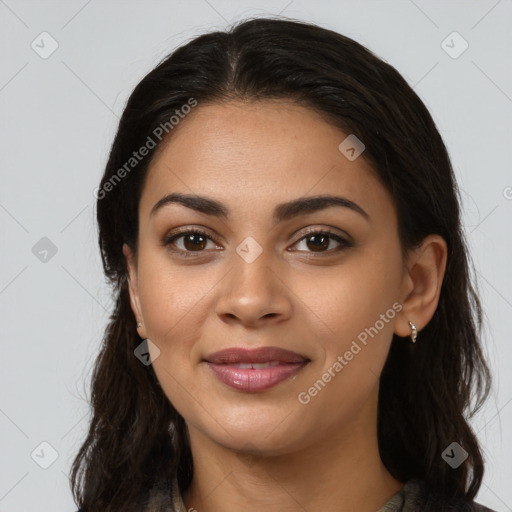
(193, 241)
(319, 241)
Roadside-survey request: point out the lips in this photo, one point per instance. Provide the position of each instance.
(255, 370)
(234, 356)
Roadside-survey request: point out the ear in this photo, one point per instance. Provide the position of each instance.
(421, 285)
(134, 289)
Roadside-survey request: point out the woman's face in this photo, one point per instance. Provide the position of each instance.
(258, 276)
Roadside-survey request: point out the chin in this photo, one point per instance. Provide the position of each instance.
(259, 438)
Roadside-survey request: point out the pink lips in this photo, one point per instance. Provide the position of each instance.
(255, 370)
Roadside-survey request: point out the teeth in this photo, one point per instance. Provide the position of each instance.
(257, 366)
(260, 366)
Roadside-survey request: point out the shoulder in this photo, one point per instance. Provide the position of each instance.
(419, 497)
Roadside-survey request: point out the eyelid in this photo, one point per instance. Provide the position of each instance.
(330, 230)
(191, 229)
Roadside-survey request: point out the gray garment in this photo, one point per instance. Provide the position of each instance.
(412, 497)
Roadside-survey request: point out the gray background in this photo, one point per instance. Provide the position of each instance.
(58, 119)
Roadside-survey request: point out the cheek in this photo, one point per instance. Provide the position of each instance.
(175, 303)
(352, 310)
(358, 310)
(172, 300)
(172, 309)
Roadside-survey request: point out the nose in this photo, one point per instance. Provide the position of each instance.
(254, 294)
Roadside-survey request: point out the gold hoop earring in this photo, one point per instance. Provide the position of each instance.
(414, 332)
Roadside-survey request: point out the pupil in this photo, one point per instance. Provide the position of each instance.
(322, 244)
(190, 238)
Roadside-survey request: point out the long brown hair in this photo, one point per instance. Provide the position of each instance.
(136, 437)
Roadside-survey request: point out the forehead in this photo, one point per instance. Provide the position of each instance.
(252, 155)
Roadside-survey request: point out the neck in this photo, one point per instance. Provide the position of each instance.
(340, 472)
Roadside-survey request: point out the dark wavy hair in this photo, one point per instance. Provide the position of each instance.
(428, 391)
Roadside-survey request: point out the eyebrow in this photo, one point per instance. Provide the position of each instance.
(282, 212)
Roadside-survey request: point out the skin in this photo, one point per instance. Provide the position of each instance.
(268, 449)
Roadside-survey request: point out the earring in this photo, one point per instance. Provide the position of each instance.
(139, 325)
(414, 333)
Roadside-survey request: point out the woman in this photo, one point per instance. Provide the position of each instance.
(295, 327)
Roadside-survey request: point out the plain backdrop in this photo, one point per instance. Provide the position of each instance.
(67, 69)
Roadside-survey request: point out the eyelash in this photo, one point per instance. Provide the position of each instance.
(168, 240)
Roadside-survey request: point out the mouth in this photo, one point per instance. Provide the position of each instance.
(255, 370)
(264, 355)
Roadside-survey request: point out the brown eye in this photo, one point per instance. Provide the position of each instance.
(319, 241)
(194, 241)
(188, 241)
